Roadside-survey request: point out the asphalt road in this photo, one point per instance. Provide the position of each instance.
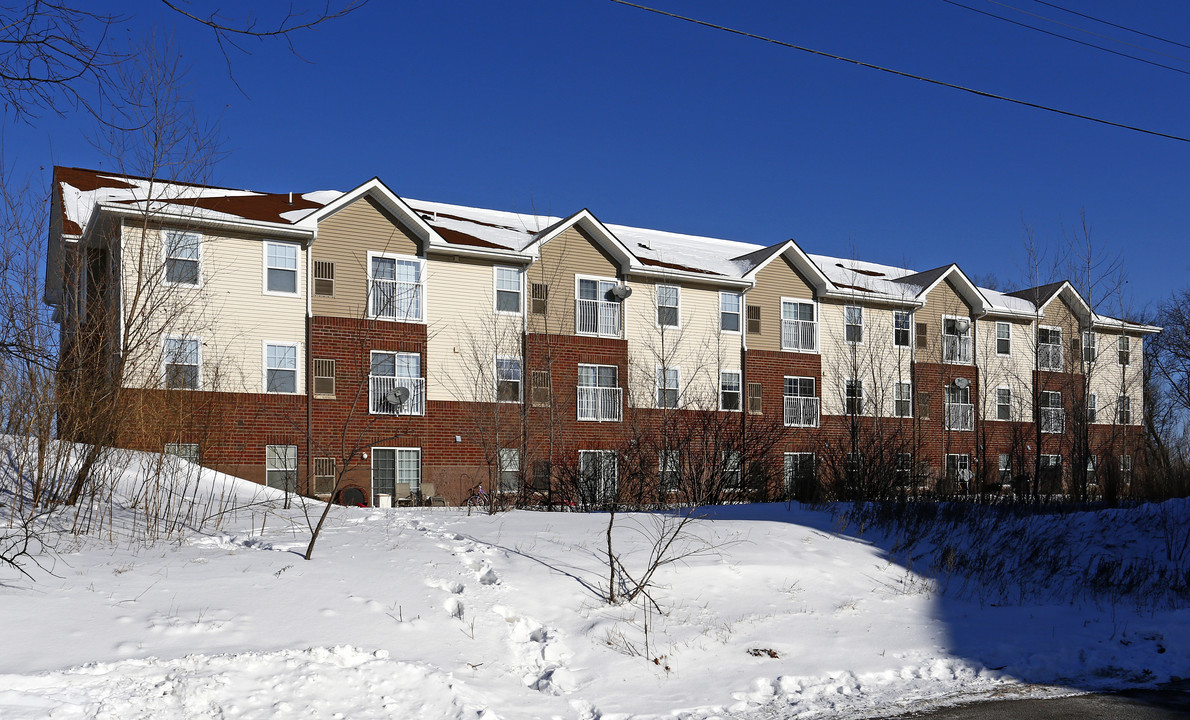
(1161, 704)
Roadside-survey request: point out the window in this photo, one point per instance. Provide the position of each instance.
(599, 393)
(903, 400)
(923, 335)
(755, 399)
(731, 470)
(1126, 468)
(395, 384)
(1090, 346)
(509, 479)
(960, 413)
(182, 363)
(1051, 414)
(799, 329)
(667, 386)
(1051, 468)
(182, 257)
(667, 305)
(597, 473)
(1125, 349)
(1049, 348)
(280, 268)
(542, 469)
(186, 451)
(325, 475)
(1003, 338)
(799, 473)
(901, 329)
(539, 298)
(956, 339)
(324, 378)
(280, 467)
(667, 470)
(853, 397)
(1003, 403)
(280, 363)
(729, 390)
(1092, 469)
(1092, 407)
(1124, 410)
(958, 470)
(395, 287)
(508, 379)
(596, 310)
(923, 405)
(396, 472)
(508, 290)
(853, 465)
(542, 391)
(753, 319)
(729, 311)
(853, 323)
(904, 470)
(324, 279)
(1004, 467)
(801, 402)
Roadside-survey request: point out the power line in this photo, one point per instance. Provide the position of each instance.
(1108, 22)
(901, 73)
(1063, 37)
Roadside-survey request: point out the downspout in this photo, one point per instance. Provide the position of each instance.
(309, 380)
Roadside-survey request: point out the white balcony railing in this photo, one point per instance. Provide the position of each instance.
(956, 348)
(396, 299)
(380, 386)
(1049, 357)
(799, 335)
(1053, 420)
(602, 404)
(801, 411)
(597, 317)
(960, 416)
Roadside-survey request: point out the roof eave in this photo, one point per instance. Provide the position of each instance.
(193, 219)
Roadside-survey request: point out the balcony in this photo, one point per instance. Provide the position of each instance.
(801, 411)
(960, 416)
(799, 335)
(1053, 420)
(956, 349)
(597, 317)
(379, 387)
(1049, 357)
(396, 300)
(600, 404)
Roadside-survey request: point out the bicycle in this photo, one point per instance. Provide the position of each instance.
(478, 499)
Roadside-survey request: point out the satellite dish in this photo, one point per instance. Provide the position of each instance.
(397, 396)
(961, 383)
(620, 292)
(962, 325)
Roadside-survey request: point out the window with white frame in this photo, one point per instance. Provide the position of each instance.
(853, 323)
(668, 379)
(395, 287)
(1004, 468)
(396, 472)
(508, 290)
(1126, 468)
(1049, 348)
(1051, 468)
(1003, 403)
(668, 297)
(1092, 469)
(599, 393)
(1124, 410)
(956, 339)
(960, 412)
(667, 470)
(508, 379)
(801, 402)
(799, 326)
(1090, 346)
(1092, 407)
(1124, 347)
(904, 469)
(958, 470)
(186, 451)
(799, 472)
(903, 399)
(732, 470)
(509, 479)
(281, 268)
(729, 311)
(1051, 413)
(182, 257)
(597, 312)
(280, 367)
(597, 475)
(902, 328)
(729, 390)
(853, 396)
(1003, 338)
(280, 467)
(393, 376)
(181, 362)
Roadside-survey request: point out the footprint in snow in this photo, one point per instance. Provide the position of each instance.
(487, 576)
(454, 607)
(454, 588)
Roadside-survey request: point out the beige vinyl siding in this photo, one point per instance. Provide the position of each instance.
(1109, 379)
(1014, 371)
(776, 280)
(229, 312)
(1060, 315)
(696, 346)
(942, 300)
(464, 332)
(345, 239)
(569, 254)
(877, 360)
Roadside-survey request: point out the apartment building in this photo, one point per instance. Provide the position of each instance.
(383, 345)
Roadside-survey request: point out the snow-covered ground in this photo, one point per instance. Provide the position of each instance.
(432, 613)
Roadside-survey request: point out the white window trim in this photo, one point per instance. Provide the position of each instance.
(165, 257)
(817, 322)
(912, 329)
(297, 462)
(739, 390)
(421, 273)
(863, 325)
(1083, 345)
(1093, 402)
(657, 387)
(501, 454)
(396, 470)
(264, 367)
(996, 404)
(496, 290)
(897, 386)
(859, 384)
(740, 314)
(1118, 363)
(1052, 328)
(996, 339)
(496, 379)
(656, 306)
(198, 340)
(598, 278)
(264, 272)
(1120, 402)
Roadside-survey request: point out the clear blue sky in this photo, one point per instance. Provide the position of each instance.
(555, 105)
